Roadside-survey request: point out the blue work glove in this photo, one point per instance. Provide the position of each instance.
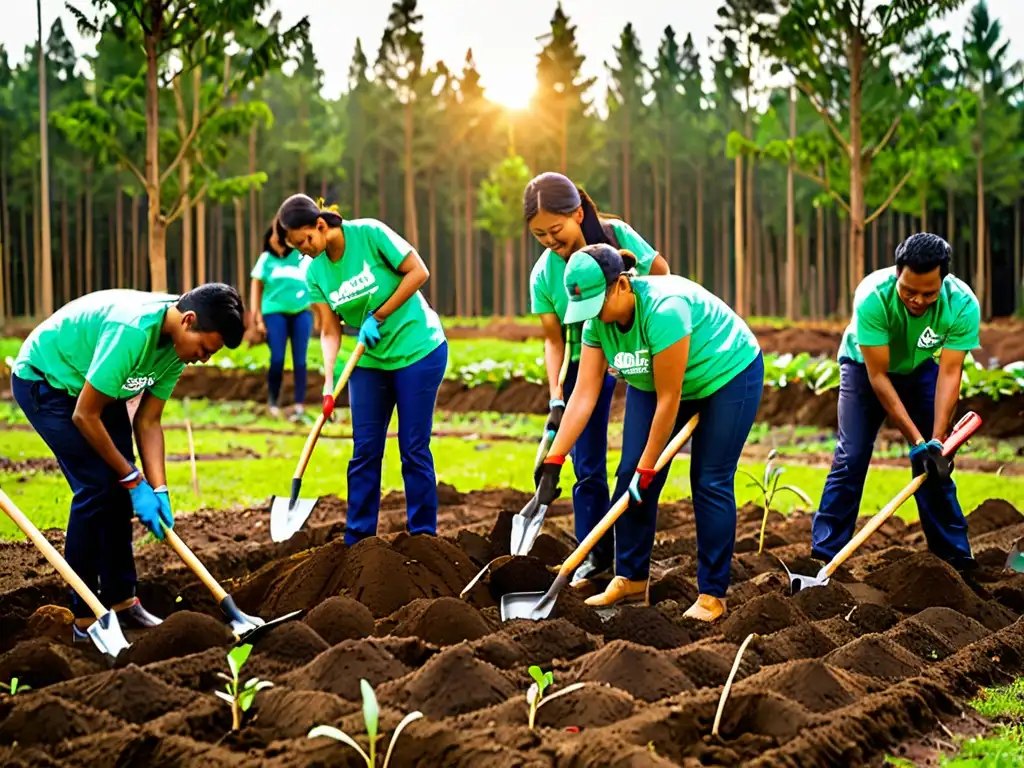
(556, 409)
(144, 502)
(369, 332)
(641, 481)
(166, 515)
(927, 457)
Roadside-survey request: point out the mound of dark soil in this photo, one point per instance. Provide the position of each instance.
(445, 621)
(45, 719)
(646, 626)
(340, 618)
(550, 550)
(838, 630)
(870, 618)
(876, 656)
(992, 515)
(674, 584)
(339, 669)
(809, 682)
(180, 634)
(543, 642)
(924, 581)
(500, 651)
(957, 629)
(450, 565)
(293, 641)
(824, 602)
(764, 615)
(129, 694)
(53, 621)
(452, 683)
(519, 574)
(284, 714)
(642, 672)
(921, 640)
(762, 712)
(804, 641)
(36, 662)
(592, 706)
(706, 667)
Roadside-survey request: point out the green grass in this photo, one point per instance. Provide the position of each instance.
(1006, 702)
(468, 465)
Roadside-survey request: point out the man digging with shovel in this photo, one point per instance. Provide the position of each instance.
(903, 317)
(73, 378)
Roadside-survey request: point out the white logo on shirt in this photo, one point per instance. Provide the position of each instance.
(928, 339)
(632, 363)
(138, 383)
(362, 284)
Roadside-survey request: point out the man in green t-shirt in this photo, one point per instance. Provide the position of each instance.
(903, 318)
(73, 378)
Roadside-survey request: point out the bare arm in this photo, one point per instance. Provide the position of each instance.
(669, 370)
(149, 436)
(947, 390)
(330, 342)
(659, 266)
(414, 275)
(593, 368)
(877, 361)
(256, 301)
(554, 351)
(88, 419)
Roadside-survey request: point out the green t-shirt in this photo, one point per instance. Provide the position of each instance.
(880, 318)
(670, 308)
(284, 282)
(362, 280)
(110, 339)
(547, 284)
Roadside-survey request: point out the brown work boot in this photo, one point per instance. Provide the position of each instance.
(706, 608)
(620, 590)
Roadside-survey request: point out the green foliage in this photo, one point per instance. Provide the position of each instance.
(1001, 702)
(14, 687)
(240, 697)
(371, 713)
(535, 697)
(501, 198)
(768, 486)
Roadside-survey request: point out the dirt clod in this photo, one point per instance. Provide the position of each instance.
(180, 634)
(445, 621)
(340, 618)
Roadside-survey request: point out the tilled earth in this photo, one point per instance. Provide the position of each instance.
(834, 676)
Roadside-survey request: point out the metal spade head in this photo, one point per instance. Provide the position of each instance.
(107, 635)
(526, 525)
(1015, 560)
(246, 628)
(287, 516)
(532, 605)
(798, 581)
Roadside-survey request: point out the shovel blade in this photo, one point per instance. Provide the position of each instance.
(526, 525)
(1015, 560)
(252, 632)
(107, 635)
(799, 582)
(287, 517)
(524, 605)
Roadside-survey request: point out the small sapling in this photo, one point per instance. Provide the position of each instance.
(371, 716)
(535, 697)
(14, 686)
(768, 487)
(240, 697)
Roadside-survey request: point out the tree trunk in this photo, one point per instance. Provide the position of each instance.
(659, 240)
(510, 279)
(118, 236)
(497, 250)
(467, 253)
(987, 305)
(458, 265)
(890, 230)
(65, 248)
(381, 186)
(901, 228)
(254, 216)
(89, 233)
(432, 225)
(668, 221)
(219, 235)
(845, 270)
(357, 184)
(201, 241)
(26, 276)
(950, 216)
(980, 276)
(819, 282)
(37, 252)
(791, 310)
(46, 252)
(857, 175)
(805, 301)
(563, 149)
(5, 228)
(478, 282)
(698, 254)
(187, 279)
(135, 277)
(157, 228)
(1018, 287)
(79, 262)
(771, 252)
(627, 167)
(239, 245)
(685, 269)
(411, 229)
(924, 211)
(725, 264)
(741, 295)
(874, 243)
(716, 255)
(524, 273)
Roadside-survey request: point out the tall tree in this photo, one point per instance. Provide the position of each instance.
(625, 104)
(44, 177)
(501, 215)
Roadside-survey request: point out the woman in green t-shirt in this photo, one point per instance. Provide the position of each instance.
(280, 304)
(366, 275)
(564, 219)
(682, 351)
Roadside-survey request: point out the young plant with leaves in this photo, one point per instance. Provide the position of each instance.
(769, 486)
(535, 697)
(14, 686)
(371, 718)
(240, 697)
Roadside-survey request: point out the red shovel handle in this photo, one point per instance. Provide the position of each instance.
(961, 432)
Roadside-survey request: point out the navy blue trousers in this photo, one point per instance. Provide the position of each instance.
(280, 328)
(590, 464)
(373, 396)
(725, 421)
(860, 417)
(98, 546)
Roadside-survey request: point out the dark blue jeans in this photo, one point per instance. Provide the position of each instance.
(725, 421)
(860, 417)
(373, 395)
(98, 546)
(590, 464)
(280, 328)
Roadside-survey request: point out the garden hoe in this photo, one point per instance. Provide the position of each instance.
(246, 628)
(534, 605)
(287, 516)
(961, 432)
(526, 524)
(106, 631)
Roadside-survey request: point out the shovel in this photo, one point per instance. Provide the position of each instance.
(105, 632)
(526, 524)
(287, 516)
(246, 628)
(1015, 560)
(961, 432)
(534, 605)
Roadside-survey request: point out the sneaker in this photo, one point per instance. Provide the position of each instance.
(275, 412)
(137, 617)
(620, 590)
(706, 608)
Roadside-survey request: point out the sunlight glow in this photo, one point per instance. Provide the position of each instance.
(509, 89)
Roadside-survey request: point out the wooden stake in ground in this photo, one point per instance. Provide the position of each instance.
(728, 683)
(191, 451)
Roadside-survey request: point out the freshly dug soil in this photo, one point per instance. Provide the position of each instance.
(836, 675)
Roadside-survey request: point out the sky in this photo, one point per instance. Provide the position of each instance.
(502, 33)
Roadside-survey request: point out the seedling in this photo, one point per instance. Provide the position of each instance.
(535, 697)
(769, 486)
(240, 697)
(371, 716)
(14, 686)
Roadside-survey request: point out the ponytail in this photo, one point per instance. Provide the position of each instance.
(300, 211)
(628, 260)
(556, 193)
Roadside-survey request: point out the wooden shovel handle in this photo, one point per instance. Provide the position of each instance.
(563, 371)
(620, 506)
(963, 430)
(188, 556)
(314, 435)
(51, 554)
